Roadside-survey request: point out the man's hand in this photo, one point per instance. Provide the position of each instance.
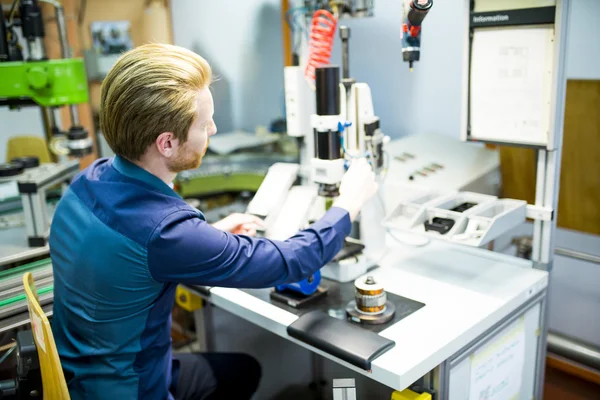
(240, 224)
(357, 187)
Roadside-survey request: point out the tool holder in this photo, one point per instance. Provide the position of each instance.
(465, 218)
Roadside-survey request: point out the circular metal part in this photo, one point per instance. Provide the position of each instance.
(11, 169)
(28, 161)
(77, 133)
(370, 303)
(370, 318)
(344, 32)
(368, 286)
(370, 298)
(80, 148)
(423, 4)
(328, 191)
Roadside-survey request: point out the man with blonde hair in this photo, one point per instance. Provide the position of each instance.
(122, 239)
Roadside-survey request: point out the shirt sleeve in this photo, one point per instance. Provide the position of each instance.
(186, 249)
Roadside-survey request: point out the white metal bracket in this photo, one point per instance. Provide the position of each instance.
(540, 213)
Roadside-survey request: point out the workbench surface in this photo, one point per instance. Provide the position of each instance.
(466, 292)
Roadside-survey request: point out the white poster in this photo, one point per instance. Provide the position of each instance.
(497, 368)
(511, 76)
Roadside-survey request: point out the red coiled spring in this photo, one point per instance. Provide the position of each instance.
(322, 34)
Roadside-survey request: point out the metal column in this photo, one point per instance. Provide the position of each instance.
(548, 178)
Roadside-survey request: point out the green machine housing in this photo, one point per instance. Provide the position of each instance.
(50, 83)
(43, 82)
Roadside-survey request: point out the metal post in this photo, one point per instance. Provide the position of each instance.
(65, 50)
(345, 36)
(62, 30)
(49, 122)
(74, 115)
(344, 389)
(540, 370)
(540, 189)
(549, 160)
(200, 324)
(548, 178)
(317, 364)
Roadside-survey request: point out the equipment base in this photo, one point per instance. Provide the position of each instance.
(297, 300)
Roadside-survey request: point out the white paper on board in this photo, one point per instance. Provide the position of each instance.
(511, 84)
(497, 368)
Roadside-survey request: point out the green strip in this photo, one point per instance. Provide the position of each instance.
(24, 268)
(328, 203)
(22, 297)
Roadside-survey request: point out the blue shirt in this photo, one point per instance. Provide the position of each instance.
(120, 242)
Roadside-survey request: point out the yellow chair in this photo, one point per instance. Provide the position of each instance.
(23, 146)
(53, 379)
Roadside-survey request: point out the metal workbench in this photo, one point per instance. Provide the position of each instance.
(471, 297)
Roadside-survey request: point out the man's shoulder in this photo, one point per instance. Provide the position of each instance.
(124, 205)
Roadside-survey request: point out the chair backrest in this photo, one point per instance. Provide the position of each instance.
(23, 146)
(53, 379)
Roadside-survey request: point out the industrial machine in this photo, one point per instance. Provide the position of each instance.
(415, 12)
(313, 24)
(29, 78)
(342, 126)
(39, 81)
(27, 381)
(33, 182)
(468, 322)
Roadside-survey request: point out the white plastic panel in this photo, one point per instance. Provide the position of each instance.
(478, 219)
(274, 189)
(460, 373)
(294, 213)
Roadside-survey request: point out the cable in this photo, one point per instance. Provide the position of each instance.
(55, 3)
(386, 166)
(8, 353)
(81, 14)
(297, 26)
(322, 35)
(11, 13)
(404, 242)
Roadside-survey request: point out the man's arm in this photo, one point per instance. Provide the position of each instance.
(186, 249)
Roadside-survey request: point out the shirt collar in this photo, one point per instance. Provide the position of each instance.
(131, 170)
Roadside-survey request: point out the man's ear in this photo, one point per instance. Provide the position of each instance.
(166, 144)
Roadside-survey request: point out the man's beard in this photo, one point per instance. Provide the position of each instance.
(187, 159)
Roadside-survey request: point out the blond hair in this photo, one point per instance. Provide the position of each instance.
(150, 90)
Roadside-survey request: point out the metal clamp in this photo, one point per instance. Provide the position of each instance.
(540, 213)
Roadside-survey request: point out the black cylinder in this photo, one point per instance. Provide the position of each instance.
(11, 169)
(327, 90)
(3, 39)
(77, 133)
(328, 145)
(379, 156)
(15, 53)
(27, 161)
(417, 12)
(31, 19)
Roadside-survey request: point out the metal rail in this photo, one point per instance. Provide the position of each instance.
(577, 255)
(574, 349)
